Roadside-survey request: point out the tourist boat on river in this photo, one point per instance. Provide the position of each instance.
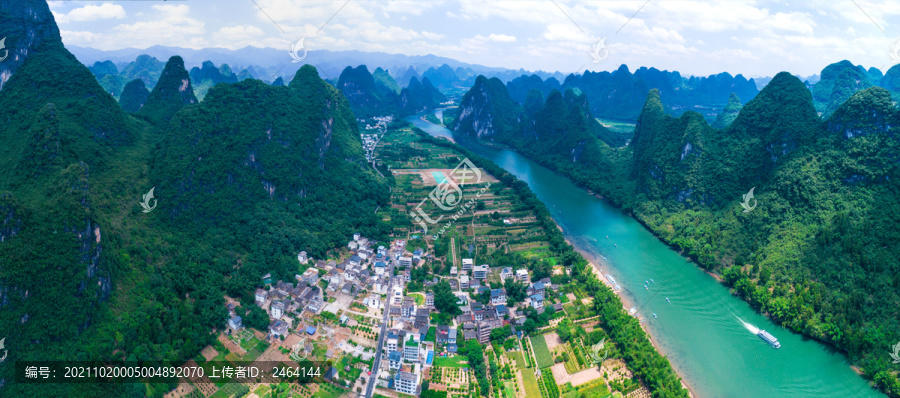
(768, 338)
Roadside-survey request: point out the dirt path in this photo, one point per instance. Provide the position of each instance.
(453, 251)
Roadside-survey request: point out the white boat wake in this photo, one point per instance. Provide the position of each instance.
(751, 328)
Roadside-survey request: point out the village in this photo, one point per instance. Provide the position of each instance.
(483, 310)
(341, 306)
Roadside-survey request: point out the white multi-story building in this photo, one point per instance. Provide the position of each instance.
(480, 272)
(407, 382)
(411, 350)
(277, 310)
(405, 261)
(498, 296)
(522, 274)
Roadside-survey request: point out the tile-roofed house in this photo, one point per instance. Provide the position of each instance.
(501, 311)
(235, 322)
(278, 328)
(443, 334)
(395, 311)
(421, 317)
(395, 359)
(537, 301)
(407, 307)
(498, 296)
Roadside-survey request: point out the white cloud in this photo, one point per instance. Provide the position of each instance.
(91, 13)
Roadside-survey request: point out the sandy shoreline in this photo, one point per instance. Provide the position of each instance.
(593, 261)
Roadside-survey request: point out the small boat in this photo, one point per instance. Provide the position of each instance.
(667, 300)
(768, 338)
(646, 282)
(651, 281)
(654, 315)
(607, 236)
(646, 287)
(616, 245)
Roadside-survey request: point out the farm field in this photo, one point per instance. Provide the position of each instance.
(541, 351)
(531, 385)
(458, 361)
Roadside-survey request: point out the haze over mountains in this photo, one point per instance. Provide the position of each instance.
(616, 95)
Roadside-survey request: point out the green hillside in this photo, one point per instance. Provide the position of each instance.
(86, 275)
(821, 247)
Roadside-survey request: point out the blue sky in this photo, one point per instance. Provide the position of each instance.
(754, 38)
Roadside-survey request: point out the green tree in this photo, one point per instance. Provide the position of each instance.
(445, 300)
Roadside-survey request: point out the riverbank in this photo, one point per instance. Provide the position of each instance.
(719, 358)
(626, 301)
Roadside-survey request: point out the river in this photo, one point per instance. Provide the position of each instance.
(707, 333)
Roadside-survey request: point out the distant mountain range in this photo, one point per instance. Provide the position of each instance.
(272, 63)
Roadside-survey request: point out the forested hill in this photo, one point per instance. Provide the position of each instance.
(85, 274)
(841, 80)
(378, 94)
(819, 253)
(620, 94)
